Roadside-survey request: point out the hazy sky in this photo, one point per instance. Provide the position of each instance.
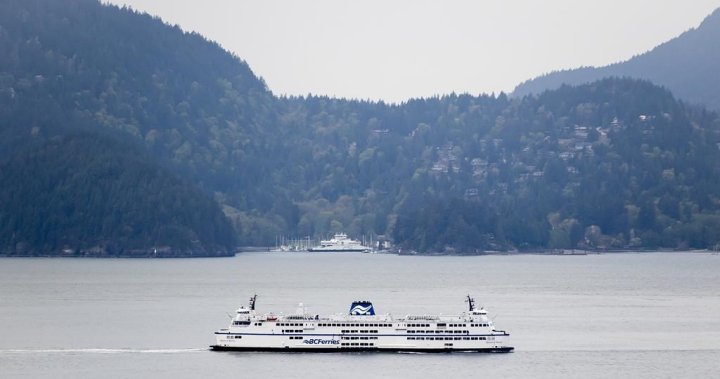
(398, 49)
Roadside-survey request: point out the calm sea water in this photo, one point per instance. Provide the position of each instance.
(613, 315)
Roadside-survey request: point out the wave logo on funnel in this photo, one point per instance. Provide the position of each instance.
(362, 308)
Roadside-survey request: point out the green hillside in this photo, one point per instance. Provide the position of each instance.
(617, 163)
(90, 195)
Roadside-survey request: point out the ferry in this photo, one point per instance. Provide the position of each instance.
(361, 330)
(340, 243)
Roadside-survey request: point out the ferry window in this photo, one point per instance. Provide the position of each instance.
(441, 324)
(430, 338)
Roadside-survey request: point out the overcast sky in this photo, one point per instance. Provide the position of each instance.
(398, 49)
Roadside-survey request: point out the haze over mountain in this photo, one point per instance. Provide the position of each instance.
(687, 65)
(614, 164)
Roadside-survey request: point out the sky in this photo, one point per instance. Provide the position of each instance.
(394, 50)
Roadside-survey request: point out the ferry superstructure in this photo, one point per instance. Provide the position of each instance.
(340, 243)
(362, 330)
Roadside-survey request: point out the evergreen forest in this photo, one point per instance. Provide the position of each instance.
(122, 135)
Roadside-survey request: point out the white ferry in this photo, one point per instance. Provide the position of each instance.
(362, 330)
(340, 243)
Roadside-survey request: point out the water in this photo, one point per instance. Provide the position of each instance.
(613, 315)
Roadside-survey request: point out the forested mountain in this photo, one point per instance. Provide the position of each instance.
(76, 65)
(616, 163)
(687, 65)
(90, 195)
(613, 164)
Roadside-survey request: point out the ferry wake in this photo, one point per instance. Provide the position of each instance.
(362, 330)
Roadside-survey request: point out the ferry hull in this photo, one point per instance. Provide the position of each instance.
(504, 349)
(321, 250)
(362, 330)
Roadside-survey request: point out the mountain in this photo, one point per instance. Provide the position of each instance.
(617, 163)
(686, 65)
(91, 195)
(70, 66)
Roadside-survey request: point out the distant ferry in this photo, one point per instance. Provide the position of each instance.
(340, 243)
(362, 330)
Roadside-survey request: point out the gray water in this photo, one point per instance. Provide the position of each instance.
(614, 315)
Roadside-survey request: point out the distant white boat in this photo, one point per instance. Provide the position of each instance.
(340, 243)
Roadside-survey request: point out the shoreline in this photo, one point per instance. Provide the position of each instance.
(190, 255)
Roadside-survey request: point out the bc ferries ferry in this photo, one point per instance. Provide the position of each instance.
(340, 243)
(361, 330)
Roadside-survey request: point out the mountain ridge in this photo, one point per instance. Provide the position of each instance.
(453, 173)
(684, 64)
